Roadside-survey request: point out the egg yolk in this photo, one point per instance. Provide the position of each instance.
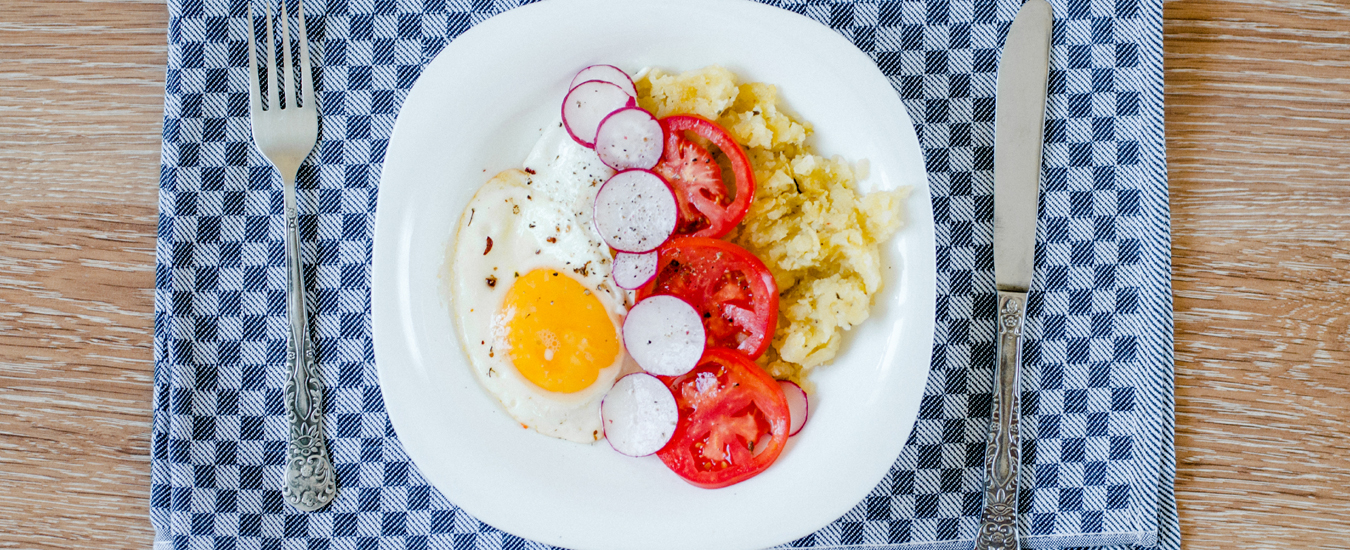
(560, 334)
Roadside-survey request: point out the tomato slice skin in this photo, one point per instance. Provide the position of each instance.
(733, 421)
(732, 290)
(705, 208)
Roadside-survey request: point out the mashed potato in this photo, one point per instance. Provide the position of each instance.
(808, 222)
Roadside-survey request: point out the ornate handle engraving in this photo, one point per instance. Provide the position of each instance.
(998, 524)
(310, 482)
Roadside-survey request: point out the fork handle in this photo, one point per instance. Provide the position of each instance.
(1002, 457)
(310, 482)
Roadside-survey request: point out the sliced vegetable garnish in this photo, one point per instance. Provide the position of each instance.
(706, 207)
(629, 138)
(798, 408)
(732, 290)
(639, 414)
(605, 73)
(631, 271)
(733, 421)
(664, 335)
(634, 211)
(588, 104)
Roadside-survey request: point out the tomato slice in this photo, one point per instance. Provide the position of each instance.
(705, 208)
(731, 289)
(733, 421)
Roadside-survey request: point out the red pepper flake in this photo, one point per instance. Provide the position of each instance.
(489, 246)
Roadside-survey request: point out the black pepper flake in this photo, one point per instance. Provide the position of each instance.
(584, 270)
(492, 281)
(489, 246)
(515, 209)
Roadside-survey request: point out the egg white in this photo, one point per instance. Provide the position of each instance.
(537, 218)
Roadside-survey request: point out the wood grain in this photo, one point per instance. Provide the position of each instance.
(81, 101)
(1258, 129)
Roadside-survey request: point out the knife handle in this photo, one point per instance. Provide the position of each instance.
(1002, 456)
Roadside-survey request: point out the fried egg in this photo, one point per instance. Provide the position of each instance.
(529, 282)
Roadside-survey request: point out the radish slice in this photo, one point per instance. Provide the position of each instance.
(631, 271)
(664, 334)
(629, 138)
(797, 406)
(605, 73)
(588, 104)
(635, 211)
(638, 414)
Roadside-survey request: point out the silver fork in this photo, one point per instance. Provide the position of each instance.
(285, 135)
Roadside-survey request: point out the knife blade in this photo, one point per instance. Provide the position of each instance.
(1019, 124)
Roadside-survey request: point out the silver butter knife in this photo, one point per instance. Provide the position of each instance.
(1019, 125)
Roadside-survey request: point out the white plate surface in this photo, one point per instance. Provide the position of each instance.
(478, 109)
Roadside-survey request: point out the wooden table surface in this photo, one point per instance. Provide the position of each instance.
(1258, 139)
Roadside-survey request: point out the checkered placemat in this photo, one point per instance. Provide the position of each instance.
(1097, 435)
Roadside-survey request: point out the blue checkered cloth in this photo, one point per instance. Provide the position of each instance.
(1098, 461)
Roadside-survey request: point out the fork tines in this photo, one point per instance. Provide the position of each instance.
(286, 78)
